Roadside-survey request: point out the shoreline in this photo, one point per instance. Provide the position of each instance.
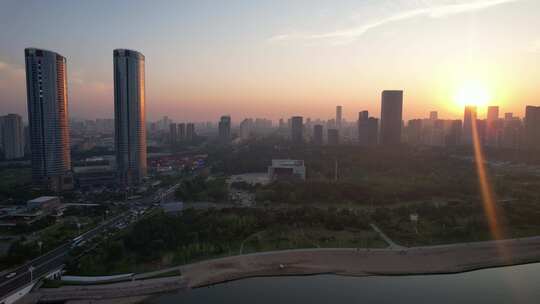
(352, 262)
(438, 259)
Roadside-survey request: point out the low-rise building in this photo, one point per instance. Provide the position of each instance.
(44, 203)
(287, 169)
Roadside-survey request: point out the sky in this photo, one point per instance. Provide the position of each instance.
(280, 58)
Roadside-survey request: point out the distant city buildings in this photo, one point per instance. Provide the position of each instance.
(12, 136)
(129, 111)
(391, 117)
(46, 86)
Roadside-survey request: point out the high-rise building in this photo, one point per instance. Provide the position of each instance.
(12, 134)
(363, 121)
(414, 132)
(173, 133)
(492, 125)
(433, 115)
(129, 113)
(339, 118)
(246, 128)
(318, 134)
(190, 131)
(224, 127)
(391, 117)
(469, 117)
(453, 138)
(532, 127)
(182, 131)
(333, 137)
(297, 129)
(46, 87)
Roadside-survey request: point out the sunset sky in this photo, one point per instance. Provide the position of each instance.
(281, 57)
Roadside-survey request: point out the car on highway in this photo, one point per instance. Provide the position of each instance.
(11, 275)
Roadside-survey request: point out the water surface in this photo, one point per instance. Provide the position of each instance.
(515, 284)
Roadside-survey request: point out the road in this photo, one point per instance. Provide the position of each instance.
(42, 265)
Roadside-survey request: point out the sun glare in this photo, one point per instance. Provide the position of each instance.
(472, 93)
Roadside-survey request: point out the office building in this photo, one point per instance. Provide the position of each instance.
(414, 132)
(318, 134)
(181, 131)
(12, 135)
(287, 169)
(492, 125)
(339, 118)
(433, 115)
(297, 129)
(46, 86)
(224, 127)
(129, 111)
(391, 117)
(469, 117)
(333, 137)
(190, 131)
(453, 137)
(532, 127)
(246, 129)
(173, 133)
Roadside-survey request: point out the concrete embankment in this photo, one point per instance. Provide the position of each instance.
(125, 292)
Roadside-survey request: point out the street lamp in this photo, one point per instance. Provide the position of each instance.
(31, 269)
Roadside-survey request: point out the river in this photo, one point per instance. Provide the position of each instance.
(514, 284)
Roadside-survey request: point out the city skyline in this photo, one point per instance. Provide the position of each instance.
(196, 78)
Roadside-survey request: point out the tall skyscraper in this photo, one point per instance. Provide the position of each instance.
(391, 117)
(182, 131)
(363, 121)
(46, 87)
(247, 127)
(173, 133)
(433, 115)
(224, 127)
(190, 131)
(129, 113)
(318, 134)
(469, 117)
(339, 118)
(532, 127)
(12, 134)
(297, 129)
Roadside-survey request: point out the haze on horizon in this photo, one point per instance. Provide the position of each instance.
(280, 58)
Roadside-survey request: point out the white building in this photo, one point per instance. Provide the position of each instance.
(286, 169)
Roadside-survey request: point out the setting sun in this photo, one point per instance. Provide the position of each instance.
(472, 93)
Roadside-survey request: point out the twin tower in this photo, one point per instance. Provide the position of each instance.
(46, 83)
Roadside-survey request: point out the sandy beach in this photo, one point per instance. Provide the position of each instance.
(361, 262)
(442, 259)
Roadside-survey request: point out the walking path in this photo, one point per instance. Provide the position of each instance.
(391, 244)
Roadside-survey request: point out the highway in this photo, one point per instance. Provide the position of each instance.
(42, 265)
(51, 260)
